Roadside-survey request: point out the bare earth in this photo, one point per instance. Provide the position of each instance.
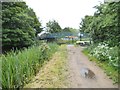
(76, 61)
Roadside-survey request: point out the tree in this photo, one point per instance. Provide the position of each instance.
(19, 25)
(37, 25)
(85, 24)
(103, 26)
(53, 26)
(69, 29)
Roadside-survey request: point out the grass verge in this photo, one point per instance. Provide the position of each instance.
(54, 73)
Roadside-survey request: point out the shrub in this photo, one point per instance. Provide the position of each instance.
(105, 53)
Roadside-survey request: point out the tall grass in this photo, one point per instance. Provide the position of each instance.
(19, 67)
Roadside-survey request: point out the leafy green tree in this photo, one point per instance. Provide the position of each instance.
(103, 25)
(19, 25)
(37, 25)
(53, 26)
(85, 24)
(69, 29)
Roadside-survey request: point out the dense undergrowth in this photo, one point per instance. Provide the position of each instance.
(19, 67)
(106, 57)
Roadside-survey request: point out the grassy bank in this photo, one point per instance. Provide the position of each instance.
(54, 73)
(111, 71)
(19, 67)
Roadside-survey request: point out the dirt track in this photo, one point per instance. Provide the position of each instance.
(76, 61)
(53, 75)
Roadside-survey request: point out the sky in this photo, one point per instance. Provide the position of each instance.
(68, 13)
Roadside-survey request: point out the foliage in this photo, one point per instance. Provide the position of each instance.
(103, 25)
(105, 53)
(72, 30)
(19, 25)
(53, 26)
(19, 67)
(84, 25)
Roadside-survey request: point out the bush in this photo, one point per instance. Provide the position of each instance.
(18, 67)
(105, 53)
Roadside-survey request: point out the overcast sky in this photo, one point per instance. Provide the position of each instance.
(67, 13)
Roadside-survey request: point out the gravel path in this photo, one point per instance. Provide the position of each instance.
(77, 61)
